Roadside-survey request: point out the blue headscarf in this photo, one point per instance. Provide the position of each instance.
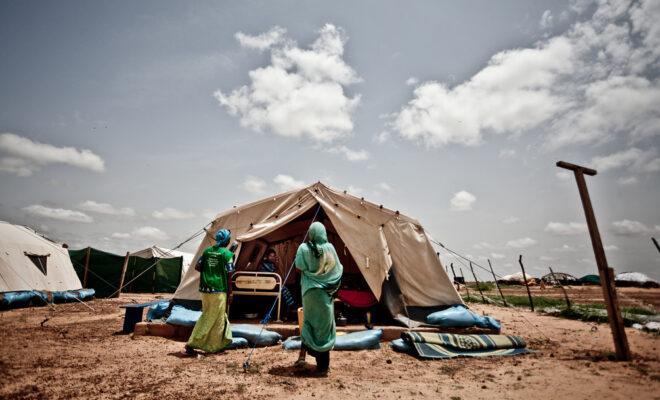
(222, 237)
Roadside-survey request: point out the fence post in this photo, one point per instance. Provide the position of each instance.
(529, 294)
(483, 299)
(605, 272)
(497, 284)
(124, 267)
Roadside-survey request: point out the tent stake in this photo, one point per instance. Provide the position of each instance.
(497, 284)
(568, 302)
(483, 299)
(606, 273)
(529, 294)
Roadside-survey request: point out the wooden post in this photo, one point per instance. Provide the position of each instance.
(604, 271)
(123, 273)
(464, 284)
(458, 287)
(568, 302)
(86, 271)
(497, 284)
(483, 299)
(529, 294)
(655, 242)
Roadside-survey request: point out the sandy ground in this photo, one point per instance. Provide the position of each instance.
(75, 354)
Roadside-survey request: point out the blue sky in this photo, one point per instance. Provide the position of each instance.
(127, 124)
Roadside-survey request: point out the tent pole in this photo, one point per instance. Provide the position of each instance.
(124, 267)
(497, 284)
(529, 294)
(458, 287)
(655, 242)
(86, 271)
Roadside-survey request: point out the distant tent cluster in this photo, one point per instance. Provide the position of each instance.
(150, 270)
(625, 279)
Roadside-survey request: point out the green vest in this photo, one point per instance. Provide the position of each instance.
(213, 277)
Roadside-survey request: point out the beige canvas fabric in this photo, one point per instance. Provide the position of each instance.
(18, 273)
(378, 239)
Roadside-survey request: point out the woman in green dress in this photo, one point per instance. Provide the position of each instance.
(321, 274)
(212, 332)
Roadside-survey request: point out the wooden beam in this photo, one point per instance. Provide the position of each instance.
(604, 271)
(483, 299)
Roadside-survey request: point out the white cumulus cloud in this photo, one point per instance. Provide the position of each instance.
(412, 81)
(349, 154)
(627, 181)
(58, 213)
(261, 41)
(105, 208)
(596, 82)
(120, 235)
(171, 213)
(546, 20)
(254, 185)
(301, 93)
(566, 228)
(149, 233)
(521, 243)
(497, 256)
(287, 182)
(634, 159)
(462, 201)
(23, 156)
(627, 227)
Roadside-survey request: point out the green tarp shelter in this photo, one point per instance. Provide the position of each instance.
(104, 272)
(589, 280)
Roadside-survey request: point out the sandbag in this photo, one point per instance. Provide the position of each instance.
(86, 294)
(183, 316)
(458, 316)
(401, 346)
(237, 343)
(16, 299)
(363, 340)
(157, 310)
(64, 296)
(251, 333)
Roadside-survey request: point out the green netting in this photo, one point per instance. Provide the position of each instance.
(105, 268)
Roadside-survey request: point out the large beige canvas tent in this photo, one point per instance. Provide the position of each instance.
(28, 261)
(389, 251)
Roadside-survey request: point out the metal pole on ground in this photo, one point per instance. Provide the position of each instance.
(476, 281)
(86, 271)
(606, 273)
(466, 287)
(497, 284)
(568, 302)
(529, 294)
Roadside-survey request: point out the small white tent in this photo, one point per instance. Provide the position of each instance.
(161, 252)
(29, 261)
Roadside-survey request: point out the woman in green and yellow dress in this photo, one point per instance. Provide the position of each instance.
(212, 332)
(321, 274)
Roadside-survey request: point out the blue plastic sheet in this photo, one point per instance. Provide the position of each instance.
(17, 299)
(157, 310)
(363, 340)
(459, 316)
(86, 294)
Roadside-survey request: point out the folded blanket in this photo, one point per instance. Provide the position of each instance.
(447, 345)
